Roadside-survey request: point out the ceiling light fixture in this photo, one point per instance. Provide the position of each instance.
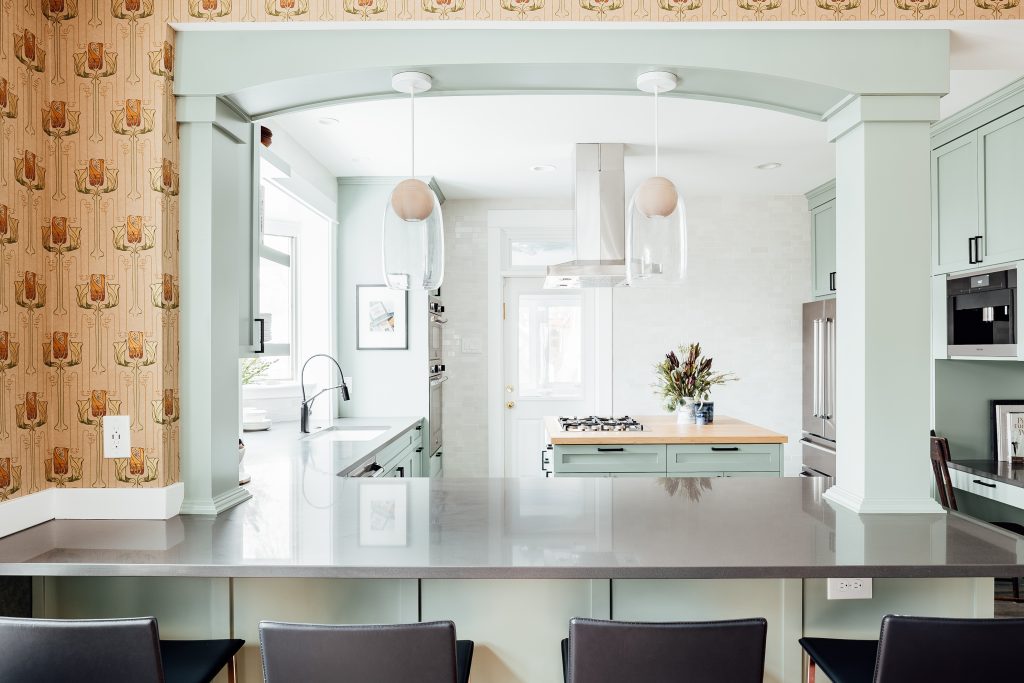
(328, 121)
(770, 166)
(656, 229)
(543, 168)
(413, 239)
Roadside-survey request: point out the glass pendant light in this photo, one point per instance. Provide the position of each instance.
(656, 227)
(413, 241)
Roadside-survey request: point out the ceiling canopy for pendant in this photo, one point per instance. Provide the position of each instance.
(656, 226)
(413, 235)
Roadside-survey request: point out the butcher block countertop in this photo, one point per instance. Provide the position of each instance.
(666, 429)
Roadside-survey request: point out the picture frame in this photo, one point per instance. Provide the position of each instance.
(383, 514)
(1007, 427)
(382, 318)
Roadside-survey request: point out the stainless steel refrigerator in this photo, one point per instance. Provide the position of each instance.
(818, 444)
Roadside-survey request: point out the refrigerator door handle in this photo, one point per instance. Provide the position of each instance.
(816, 331)
(830, 335)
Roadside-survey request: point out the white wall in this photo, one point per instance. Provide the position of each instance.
(749, 274)
(464, 293)
(385, 382)
(750, 266)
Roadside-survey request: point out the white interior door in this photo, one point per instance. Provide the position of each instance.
(550, 365)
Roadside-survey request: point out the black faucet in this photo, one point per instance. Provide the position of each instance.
(307, 403)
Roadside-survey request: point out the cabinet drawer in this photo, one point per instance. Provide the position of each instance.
(727, 458)
(609, 459)
(404, 442)
(988, 488)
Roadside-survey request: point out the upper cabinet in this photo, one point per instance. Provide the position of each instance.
(822, 203)
(1002, 149)
(977, 202)
(824, 240)
(956, 209)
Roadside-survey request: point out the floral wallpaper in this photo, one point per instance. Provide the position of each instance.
(89, 203)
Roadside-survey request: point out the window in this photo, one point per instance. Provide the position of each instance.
(277, 299)
(551, 346)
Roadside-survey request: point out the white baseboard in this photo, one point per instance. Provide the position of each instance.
(217, 504)
(36, 508)
(881, 506)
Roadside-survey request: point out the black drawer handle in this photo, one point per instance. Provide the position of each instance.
(420, 449)
(610, 450)
(725, 448)
(984, 483)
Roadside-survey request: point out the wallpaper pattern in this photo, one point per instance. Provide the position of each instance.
(89, 203)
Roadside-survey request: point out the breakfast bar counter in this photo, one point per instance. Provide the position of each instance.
(311, 546)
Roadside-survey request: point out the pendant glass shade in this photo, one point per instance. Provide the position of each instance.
(656, 235)
(413, 244)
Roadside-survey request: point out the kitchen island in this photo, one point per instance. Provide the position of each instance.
(313, 546)
(666, 447)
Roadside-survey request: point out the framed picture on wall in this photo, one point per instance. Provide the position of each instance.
(382, 318)
(1008, 430)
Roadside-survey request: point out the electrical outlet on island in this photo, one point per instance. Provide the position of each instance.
(117, 442)
(849, 589)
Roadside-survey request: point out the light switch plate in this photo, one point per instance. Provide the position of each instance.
(117, 442)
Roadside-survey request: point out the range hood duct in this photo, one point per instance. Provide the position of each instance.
(600, 197)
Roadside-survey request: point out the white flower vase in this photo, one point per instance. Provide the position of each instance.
(685, 411)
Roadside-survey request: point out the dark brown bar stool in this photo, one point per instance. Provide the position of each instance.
(107, 650)
(947, 494)
(322, 653)
(922, 649)
(696, 652)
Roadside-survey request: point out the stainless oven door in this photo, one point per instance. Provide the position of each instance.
(435, 411)
(436, 334)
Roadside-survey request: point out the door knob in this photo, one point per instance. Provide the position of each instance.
(510, 405)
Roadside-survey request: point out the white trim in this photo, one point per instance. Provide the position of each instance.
(28, 511)
(887, 506)
(218, 504)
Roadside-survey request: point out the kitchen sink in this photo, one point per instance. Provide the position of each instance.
(347, 434)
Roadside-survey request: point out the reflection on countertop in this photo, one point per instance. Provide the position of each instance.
(304, 521)
(1006, 472)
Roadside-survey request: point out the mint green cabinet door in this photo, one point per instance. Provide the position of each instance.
(824, 240)
(1003, 208)
(571, 460)
(956, 207)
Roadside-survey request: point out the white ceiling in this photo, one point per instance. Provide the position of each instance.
(484, 146)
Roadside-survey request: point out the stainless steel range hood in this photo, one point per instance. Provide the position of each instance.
(600, 221)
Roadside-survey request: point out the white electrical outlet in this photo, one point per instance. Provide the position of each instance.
(849, 589)
(117, 442)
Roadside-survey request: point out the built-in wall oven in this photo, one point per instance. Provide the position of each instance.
(982, 313)
(435, 413)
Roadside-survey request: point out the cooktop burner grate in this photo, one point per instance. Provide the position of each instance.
(594, 423)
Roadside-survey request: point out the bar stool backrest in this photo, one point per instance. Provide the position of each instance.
(948, 650)
(690, 652)
(940, 468)
(60, 650)
(401, 653)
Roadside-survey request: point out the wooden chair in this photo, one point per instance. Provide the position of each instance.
(947, 494)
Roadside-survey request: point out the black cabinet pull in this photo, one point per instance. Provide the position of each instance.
(984, 483)
(970, 250)
(832, 281)
(263, 329)
(420, 449)
(610, 450)
(725, 448)
(401, 471)
(419, 427)
(977, 250)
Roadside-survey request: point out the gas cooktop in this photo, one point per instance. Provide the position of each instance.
(600, 424)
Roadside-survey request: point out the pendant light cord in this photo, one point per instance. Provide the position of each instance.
(412, 129)
(656, 159)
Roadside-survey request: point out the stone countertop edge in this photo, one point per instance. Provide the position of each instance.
(384, 572)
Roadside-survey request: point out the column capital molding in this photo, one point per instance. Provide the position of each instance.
(195, 108)
(858, 109)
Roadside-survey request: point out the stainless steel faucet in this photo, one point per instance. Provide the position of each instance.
(307, 403)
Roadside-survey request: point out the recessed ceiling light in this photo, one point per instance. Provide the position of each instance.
(770, 166)
(328, 121)
(542, 168)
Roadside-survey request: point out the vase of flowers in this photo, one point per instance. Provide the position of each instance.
(685, 380)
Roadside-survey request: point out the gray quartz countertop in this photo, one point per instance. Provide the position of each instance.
(304, 521)
(322, 453)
